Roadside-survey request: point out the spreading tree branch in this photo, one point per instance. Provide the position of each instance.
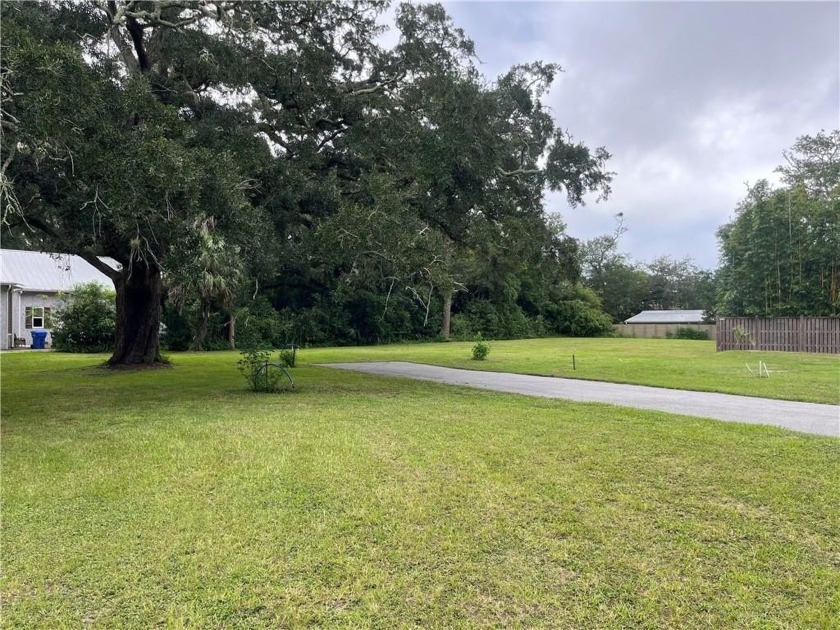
(519, 171)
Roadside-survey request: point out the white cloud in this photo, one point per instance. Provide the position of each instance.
(692, 99)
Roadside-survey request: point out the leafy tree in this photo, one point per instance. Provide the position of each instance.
(212, 276)
(597, 253)
(428, 193)
(579, 314)
(86, 322)
(814, 163)
(220, 144)
(780, 256)
(132, 123)
(679, 284)
(118, 143)
(474, 157)
(624, 289)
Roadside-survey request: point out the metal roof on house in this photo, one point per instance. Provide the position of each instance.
(667, 317)
(51, 273)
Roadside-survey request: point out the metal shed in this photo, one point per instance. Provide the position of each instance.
(676, 316)
(662, 323)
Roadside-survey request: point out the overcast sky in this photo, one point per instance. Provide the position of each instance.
(693, 99)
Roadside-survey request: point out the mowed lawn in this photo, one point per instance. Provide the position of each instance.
(174, 498)
(678, 364)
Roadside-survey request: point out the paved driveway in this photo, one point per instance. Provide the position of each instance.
(798, 416)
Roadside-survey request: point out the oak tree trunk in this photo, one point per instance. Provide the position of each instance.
(139, 289)
(447, 315)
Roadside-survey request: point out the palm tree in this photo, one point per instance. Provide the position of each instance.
(212, 277)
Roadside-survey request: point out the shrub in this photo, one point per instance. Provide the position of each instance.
(252, 366)
(577, 318)
(87, 321)
(575, 312)
(496, 321)
(481, 348)
(688, 333)
(288, 356)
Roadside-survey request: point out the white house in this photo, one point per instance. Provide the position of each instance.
(30, 284)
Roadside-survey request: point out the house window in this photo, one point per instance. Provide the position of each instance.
(38, 317)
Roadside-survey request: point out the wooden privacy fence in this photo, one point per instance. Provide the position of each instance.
(785, 334)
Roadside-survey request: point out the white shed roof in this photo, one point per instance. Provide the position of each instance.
(40, 271)
(667, 317)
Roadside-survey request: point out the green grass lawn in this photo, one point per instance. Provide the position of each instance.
(174, 498)
(659, 362)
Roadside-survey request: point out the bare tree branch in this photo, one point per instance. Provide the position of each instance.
(519, 171)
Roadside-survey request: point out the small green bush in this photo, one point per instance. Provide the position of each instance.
(252, 366)
(481, 348)
(688, 333)
(87, 321)
(288, 356)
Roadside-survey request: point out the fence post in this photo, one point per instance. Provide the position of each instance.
(799, 336)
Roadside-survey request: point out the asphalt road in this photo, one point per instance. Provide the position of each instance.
(797, 416)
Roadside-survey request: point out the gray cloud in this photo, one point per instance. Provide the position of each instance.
(692, 98)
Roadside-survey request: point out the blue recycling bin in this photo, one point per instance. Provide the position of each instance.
(39, 339)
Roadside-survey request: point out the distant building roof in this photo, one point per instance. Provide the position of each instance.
(39, 271)
(667, 317)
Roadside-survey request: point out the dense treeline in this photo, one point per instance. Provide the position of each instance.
(780, 255)
(626, 287)
(270, 170)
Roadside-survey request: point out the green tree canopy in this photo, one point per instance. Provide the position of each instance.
(230, 140)
(780, 255)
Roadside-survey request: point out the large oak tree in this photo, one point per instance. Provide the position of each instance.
(129, 125)
(179, 137)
